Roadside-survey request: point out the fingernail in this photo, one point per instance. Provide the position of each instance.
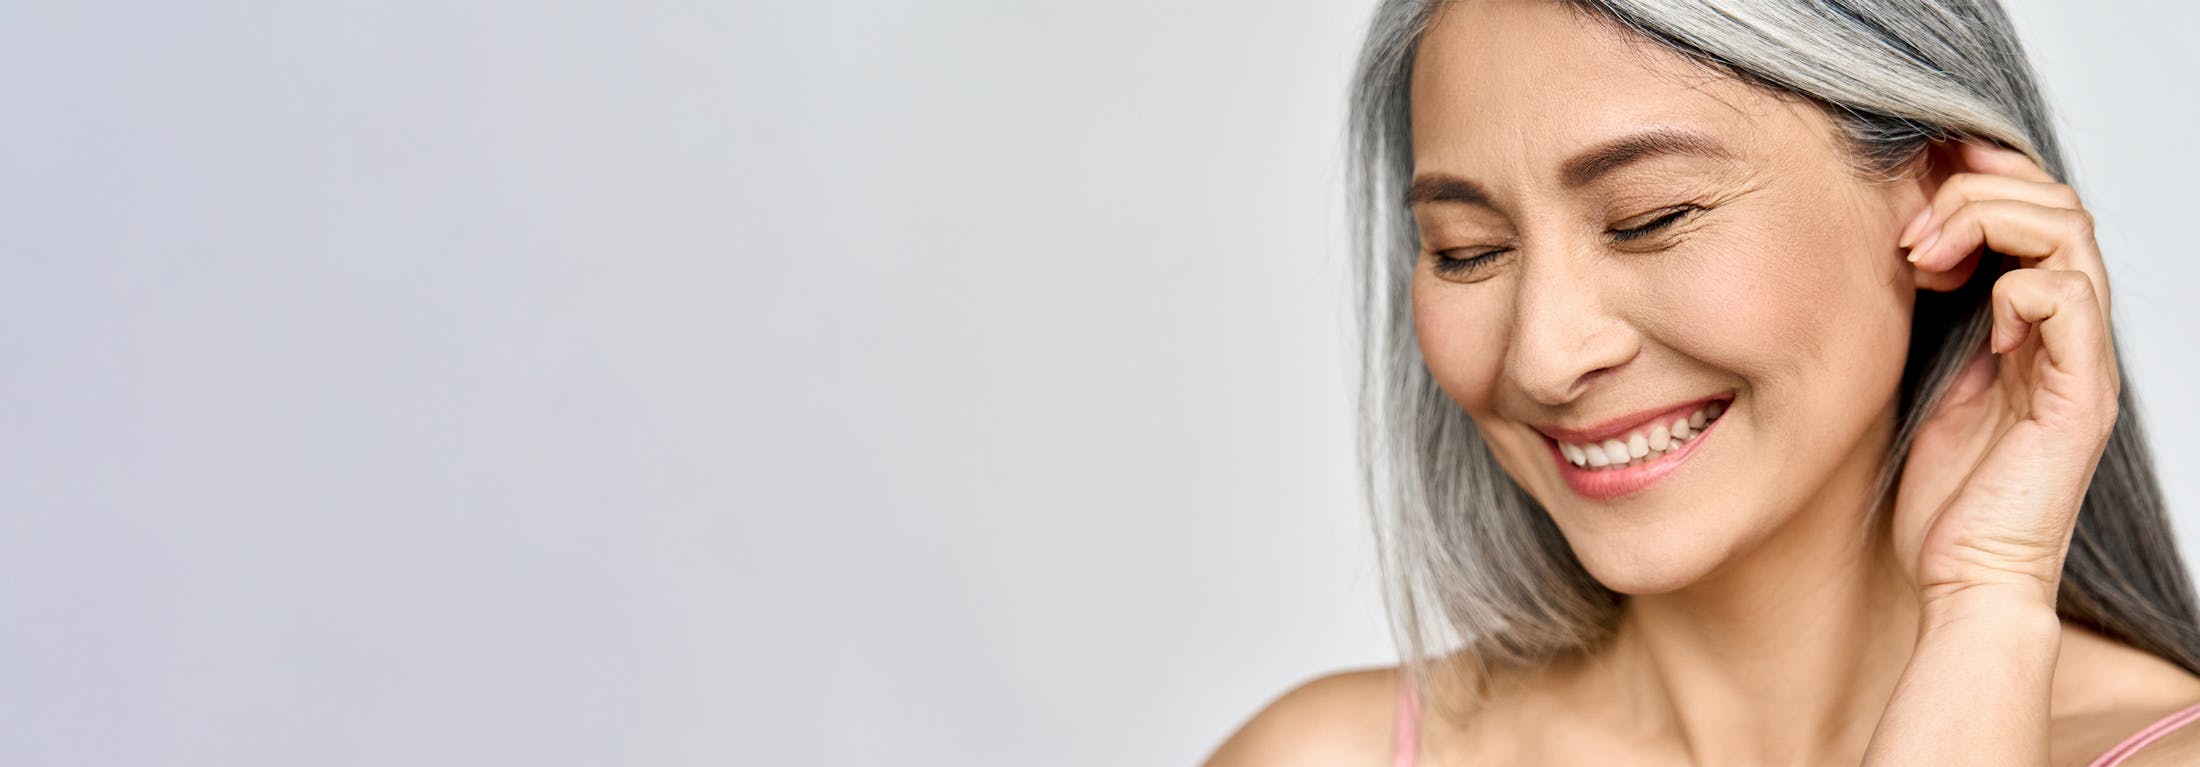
(1918, 222)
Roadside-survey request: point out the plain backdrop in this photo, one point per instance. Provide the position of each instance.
(648, 382)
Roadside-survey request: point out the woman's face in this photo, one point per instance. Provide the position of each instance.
(1635, 241)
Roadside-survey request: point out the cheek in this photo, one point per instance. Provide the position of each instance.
(1461, 332)
(1809, 311)
(1756, 308)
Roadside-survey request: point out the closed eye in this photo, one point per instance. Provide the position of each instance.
(1651, 227)
(1453, 265)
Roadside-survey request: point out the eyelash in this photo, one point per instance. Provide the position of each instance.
(1447, 265)
(1668, 219)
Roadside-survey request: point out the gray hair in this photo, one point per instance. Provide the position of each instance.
(1471, 561)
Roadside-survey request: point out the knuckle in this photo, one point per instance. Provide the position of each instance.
(1966, 214)
(2073, 286)
(2081, 222)
(2065, 194)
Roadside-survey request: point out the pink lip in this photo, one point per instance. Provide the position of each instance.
(1619, 427)
(1608, 484)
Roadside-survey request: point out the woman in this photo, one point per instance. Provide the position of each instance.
(1741, 392)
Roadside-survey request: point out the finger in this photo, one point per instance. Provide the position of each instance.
(1981, 157)
(2056, 238)
(1964, 188)
(2079, 377)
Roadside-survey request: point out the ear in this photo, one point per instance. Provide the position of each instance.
(1921, 180)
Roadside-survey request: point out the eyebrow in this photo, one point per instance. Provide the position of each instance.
(1581, 168)
(1438, 187)
(1656, 142)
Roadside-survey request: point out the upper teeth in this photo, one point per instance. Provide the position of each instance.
(1644, 443)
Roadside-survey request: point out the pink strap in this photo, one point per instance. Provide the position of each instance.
(2140, 739)
(1405, 744)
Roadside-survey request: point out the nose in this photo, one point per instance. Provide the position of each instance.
(1565, 332)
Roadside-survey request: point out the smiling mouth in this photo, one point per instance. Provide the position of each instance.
(1630, 454)
(1643, 444)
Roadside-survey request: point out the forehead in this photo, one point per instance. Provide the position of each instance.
(1507, 89)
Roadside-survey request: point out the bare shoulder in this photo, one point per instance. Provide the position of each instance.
(2180, 748)
(2108, 691)
(1340, 718)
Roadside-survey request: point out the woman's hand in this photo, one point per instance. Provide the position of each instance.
(1991, 490)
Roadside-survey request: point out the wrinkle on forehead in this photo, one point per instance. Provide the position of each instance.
(1499, 83)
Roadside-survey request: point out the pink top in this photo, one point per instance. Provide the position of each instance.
(1406, 743)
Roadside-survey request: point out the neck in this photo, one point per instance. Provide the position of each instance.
(1787, 655)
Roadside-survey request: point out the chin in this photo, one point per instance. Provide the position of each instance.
(1666, 552)
(1663, 521)
(1647, 571)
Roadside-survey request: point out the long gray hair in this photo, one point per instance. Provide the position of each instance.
(1473, 563)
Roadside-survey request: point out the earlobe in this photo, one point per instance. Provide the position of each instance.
(1933, 165)
(1943, 282)
(1922, 178)
(1910, 194)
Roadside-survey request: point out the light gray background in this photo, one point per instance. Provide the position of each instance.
(664, 383)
